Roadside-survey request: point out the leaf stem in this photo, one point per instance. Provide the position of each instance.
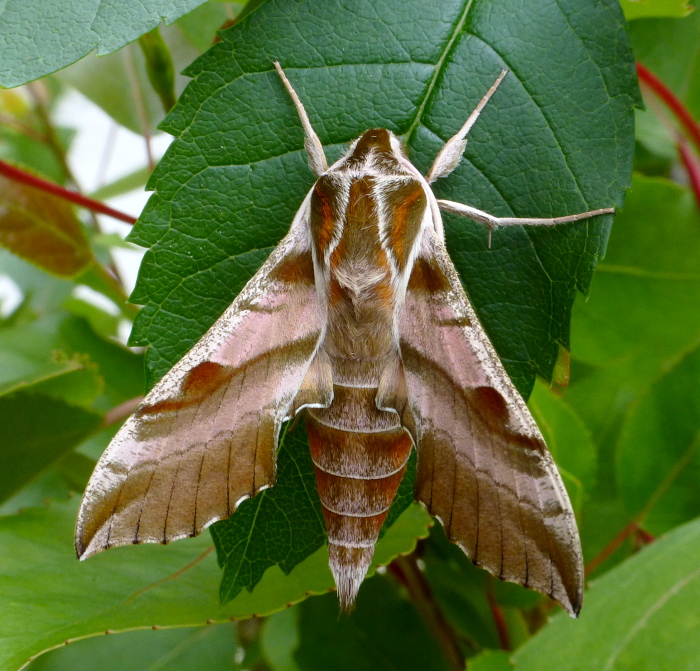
(692, 167)
(159, 67)
(23, 128)
(634, 527)
(610, 548)
(140, 105)
(18, 175)
(498, 619)
(669, 479)
(172, 576)
(407, 571)
(121, 412)
(50, 137)
(673, 103)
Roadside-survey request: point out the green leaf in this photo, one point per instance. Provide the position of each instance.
(641, 615)
(643, 314)
(43, 293)
(491, 660)
(35, 356)
(229, 185)
(211, 648)
(135, 587)
(644, 9)
(171, 586)
(462, 593)
(159, 67)
(57, 345)
(43, 229)
(49, 392)
(385, 632)
(76, 469)
(102, 322)
(63, 377)
(282, 525)
(668, 48)
(37, 430)
(641, 320)
(654, 136)
(201, 25)
(118, 82)
(658, 454)
(280, 639)
(110, 241)
(133, 181)
(121, 369)
(569, 441)
(18, 148)
(99, 279)
(25, 373)
(402, 536)
(37, 39)
(49, 485)
(23, 139)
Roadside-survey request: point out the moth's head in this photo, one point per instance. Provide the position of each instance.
(377, 145)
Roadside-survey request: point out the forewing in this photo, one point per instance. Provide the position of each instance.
(205, 437)
(483, 467)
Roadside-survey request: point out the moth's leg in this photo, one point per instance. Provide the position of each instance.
(313, 146)
(492, 222)
(451, 154)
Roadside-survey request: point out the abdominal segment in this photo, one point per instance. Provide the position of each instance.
(360, 455)
(365, 219)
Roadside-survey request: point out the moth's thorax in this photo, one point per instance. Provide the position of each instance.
(366, 214)
(376, 150)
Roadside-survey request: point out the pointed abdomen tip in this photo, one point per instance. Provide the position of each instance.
(349, 567)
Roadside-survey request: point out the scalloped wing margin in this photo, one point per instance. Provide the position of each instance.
(483, 467)
(204, 439)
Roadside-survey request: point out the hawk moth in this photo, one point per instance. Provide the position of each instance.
(358, 318)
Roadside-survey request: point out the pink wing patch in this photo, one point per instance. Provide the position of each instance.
(205, 437)
(483, 467)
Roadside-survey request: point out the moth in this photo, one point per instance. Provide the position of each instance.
(358, 318)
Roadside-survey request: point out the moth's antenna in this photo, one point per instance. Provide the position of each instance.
(451, 154)
(313, 146)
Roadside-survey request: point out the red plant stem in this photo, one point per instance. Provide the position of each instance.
(17, 175)
(692, 168)
(407, 571)
(498, 619)
(610, 548)
(674, 104)
(140, 106)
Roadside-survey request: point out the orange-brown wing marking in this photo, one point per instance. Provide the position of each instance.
(406, 204)
(483, 467)
(205, 438)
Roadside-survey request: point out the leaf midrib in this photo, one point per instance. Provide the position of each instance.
(642, 622)
(439, 68)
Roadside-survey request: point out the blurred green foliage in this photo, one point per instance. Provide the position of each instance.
(625, 432)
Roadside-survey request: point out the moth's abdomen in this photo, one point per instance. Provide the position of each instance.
(360, 455)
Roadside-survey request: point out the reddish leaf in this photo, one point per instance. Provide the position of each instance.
(42, 229)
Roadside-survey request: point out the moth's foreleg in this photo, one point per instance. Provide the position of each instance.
(451, 154)
(313, 146)
(492, 222)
